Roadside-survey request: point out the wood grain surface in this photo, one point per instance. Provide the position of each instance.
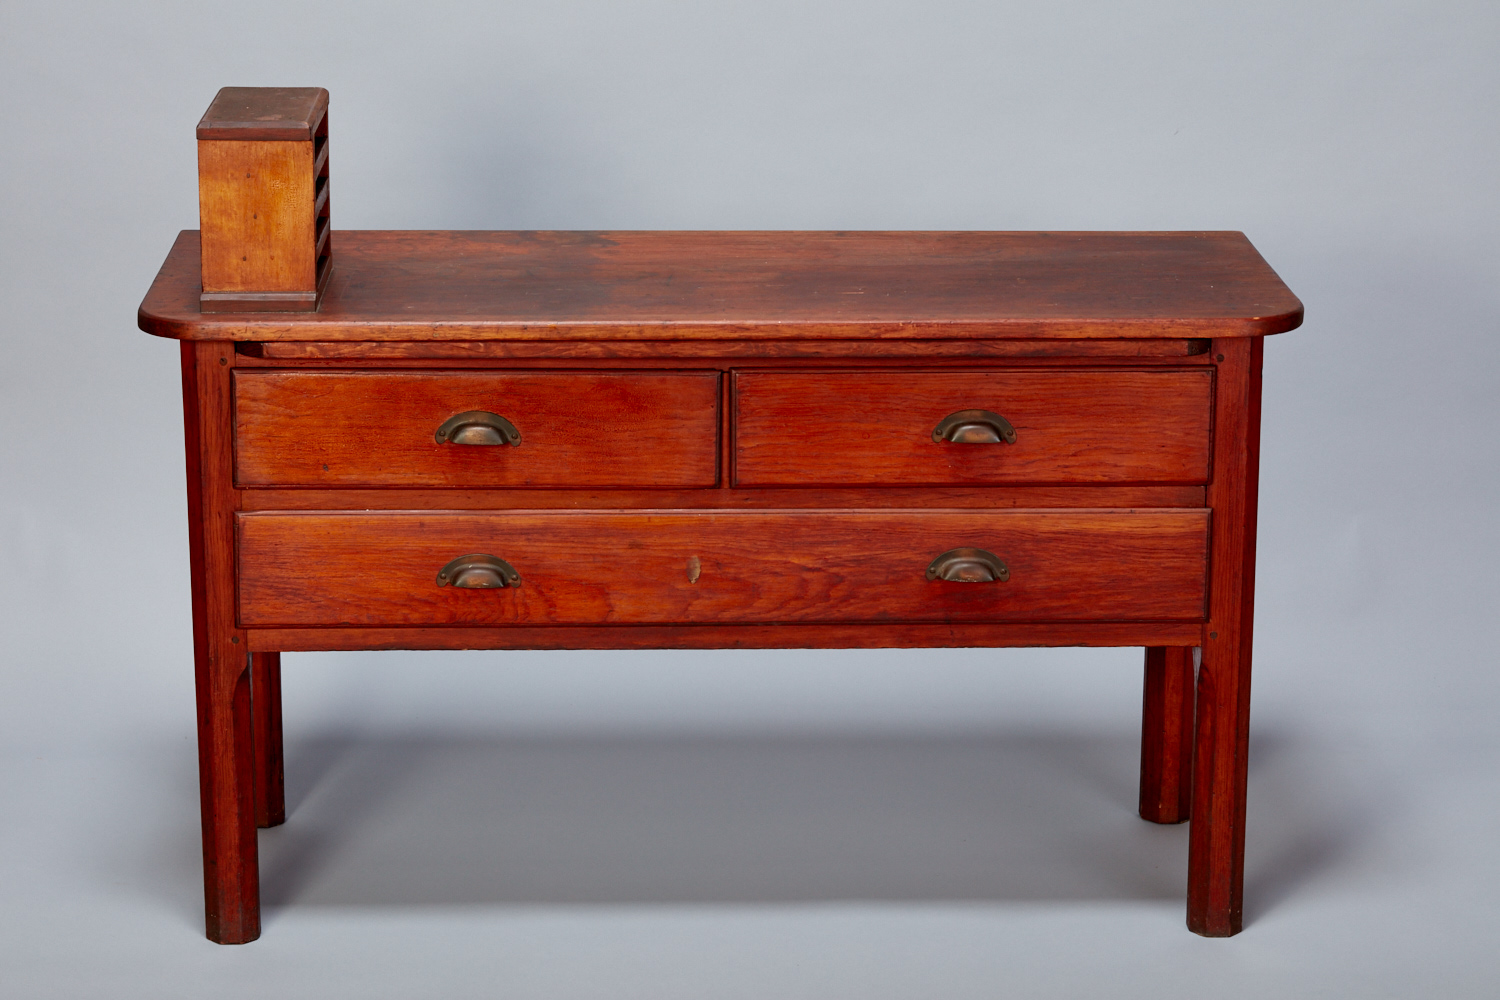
(983, 497)
(264, 113)
(1167, 735)
(231, 881)
(376, 429)
(265, 711)
(1216, 845)
(469, 286)
(1076, 426)
(816, 635)
(259, 232)
(720, 566)
(926, 350)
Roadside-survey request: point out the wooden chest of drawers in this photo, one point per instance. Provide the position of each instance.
(647, 440)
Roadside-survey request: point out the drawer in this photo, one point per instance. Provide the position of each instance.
(378, 429)
(877, 428)
(727, 566)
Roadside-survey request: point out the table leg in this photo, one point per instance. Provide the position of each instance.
(231, 880)
(265, 710)
(1167, 735)
(1216, 851)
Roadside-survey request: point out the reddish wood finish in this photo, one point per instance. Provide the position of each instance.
(265, 707)
(376, 429)
(1076, 426)
(861, 635)
(876, 497)
(264, 113)
(931, 355)
(1167, 735)
(225, 740)
(584, 568)
(1216, 859)
(657, 349)
(726, 442)
(467, 286)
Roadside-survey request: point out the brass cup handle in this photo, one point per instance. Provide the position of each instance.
(478, 571)
(478, 427)
(974, 427)
(968, 566)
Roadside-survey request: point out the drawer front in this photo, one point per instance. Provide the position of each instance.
(378, 429)
(738, 566)
(876, 428)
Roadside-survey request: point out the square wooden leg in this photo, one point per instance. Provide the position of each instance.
(265, 711)
(226, 754)
(231, 876)
(1216, 843)
(1167, 735)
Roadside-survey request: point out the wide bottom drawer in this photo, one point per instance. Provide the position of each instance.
(723, 566)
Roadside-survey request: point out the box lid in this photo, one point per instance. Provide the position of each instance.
(288, 114)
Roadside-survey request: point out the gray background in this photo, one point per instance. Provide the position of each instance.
(779, 824)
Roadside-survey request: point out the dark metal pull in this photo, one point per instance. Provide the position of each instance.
(968, 566)
(974, 427)
(478, 427)
(478, 571)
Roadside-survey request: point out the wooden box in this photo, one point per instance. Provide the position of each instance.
(263, 199)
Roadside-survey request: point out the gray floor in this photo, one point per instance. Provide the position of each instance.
(735, 856)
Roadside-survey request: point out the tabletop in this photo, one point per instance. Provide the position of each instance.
(663, 285)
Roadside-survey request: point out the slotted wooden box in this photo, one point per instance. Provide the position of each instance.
(263, 199)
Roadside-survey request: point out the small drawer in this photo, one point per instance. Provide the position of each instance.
(382, 429)
(724, 566)
(881, 428)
